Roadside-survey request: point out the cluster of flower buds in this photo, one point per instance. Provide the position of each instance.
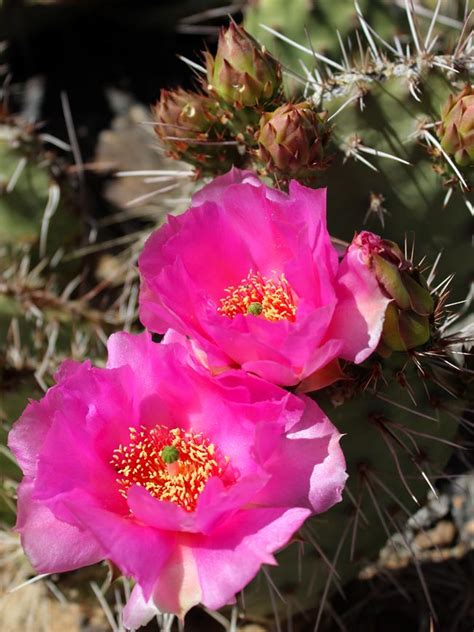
(408, 316)
(456, 130)
(292, 140)
(240, 116)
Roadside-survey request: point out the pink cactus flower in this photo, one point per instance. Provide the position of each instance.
(251, 275)
(187, 482)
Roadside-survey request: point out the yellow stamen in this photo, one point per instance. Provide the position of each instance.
(259, 296)
(189, 461)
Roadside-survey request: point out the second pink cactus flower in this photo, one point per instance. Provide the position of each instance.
(251, 275)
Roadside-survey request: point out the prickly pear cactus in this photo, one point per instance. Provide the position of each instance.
(319, 27)
(35, 206)
(396, 178)
(39, 220)
(387, 128)
(311, 23)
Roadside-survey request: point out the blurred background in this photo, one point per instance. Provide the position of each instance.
(79, 79)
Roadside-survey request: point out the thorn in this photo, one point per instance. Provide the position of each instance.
(432, 23)
(192, 64)
(462, 42)
(155, 172)
(383, 434)
(433, 269)
(352, 151)
(30, 581)
(447, 197)
(343, 106)
(442, 287)
(105, 607)
(417, 567)
(271, 588)
(410, 11)
(330, 576)
(343, 50)
(434, 141)
(413, 89)
(209, 14)
(21, 164)
(54, 196)
(378, 509)
(382, 154)
(151, 194)
(71, 131)
(321, 553)
(322, 58)
(57, 142)
(367, 34)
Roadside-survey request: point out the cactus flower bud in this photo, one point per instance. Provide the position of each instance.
(407, 318)
(292, 140)
(242, 72)
(182, 115)
(456, 130)
(188, 124)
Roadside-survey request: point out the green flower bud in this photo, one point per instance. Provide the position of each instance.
(456, 130)
(407, 321)
(292, 140)
(242, 72)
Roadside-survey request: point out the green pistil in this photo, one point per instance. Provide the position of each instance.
(255, 308)
(169, 454)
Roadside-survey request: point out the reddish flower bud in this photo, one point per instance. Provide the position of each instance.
(189, 126)
(456, 130)
(292, 140)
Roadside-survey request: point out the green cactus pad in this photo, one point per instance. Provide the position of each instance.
(376, 427)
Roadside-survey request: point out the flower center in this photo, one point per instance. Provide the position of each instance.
(259, 296)
(170, 463)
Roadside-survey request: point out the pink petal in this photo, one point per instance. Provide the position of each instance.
(229, 558)
(70, 460)
(51, 545)
(28, 433)
(213, 191)
(360, 313)
(30, 430)
(138, 611)
(160, 514)
(307, 465)
(218, 503)
(178, 587)
(310, 205)
(138, 550)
